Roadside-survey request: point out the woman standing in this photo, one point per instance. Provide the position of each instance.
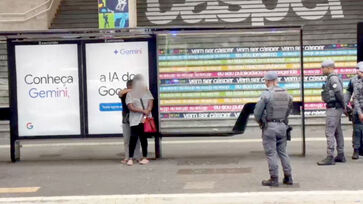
(126, 125)
(140, 103)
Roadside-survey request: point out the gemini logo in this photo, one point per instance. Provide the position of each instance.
(234, 11)
(128, 52)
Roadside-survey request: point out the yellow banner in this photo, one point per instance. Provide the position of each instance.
(251, 67)
(221, 101)
(212, 101)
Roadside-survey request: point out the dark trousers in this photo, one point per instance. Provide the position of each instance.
(357, 135)
(137, 132)
(274, 144)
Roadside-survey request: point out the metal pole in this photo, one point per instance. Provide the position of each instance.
(14, 150)
(158, 154)
(13, 113)
(360, 41)
(302, 92)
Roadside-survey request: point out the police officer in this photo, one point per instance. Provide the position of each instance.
(353, 115)
(332, 95)
(348, 95)
(358, 113)
(271, 112)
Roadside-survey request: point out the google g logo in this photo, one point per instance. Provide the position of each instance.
(29, 126)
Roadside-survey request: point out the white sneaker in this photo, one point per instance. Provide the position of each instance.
(130, 162)
(144, 161)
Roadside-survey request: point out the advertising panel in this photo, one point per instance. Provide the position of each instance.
(109, 67)
(207, 81)
(47, 90)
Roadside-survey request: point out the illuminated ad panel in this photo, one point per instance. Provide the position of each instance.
(109, 67)
(47, 90)
(212, 78)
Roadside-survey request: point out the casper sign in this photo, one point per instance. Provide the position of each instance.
(109, 66)
(234, 11)
(47, 90)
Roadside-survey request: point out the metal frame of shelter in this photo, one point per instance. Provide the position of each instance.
(360, 41)
(81, 37)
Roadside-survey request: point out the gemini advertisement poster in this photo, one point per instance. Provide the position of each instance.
(48, 90)
(109, 66)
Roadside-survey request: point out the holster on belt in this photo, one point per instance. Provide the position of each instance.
(350, 113)
(288, 133)
(334, 105)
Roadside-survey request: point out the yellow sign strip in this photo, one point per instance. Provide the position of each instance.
(19, 190)
(250, 67)
(217, 101)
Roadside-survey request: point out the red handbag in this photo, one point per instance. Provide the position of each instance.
(149, 122)
(149, 125)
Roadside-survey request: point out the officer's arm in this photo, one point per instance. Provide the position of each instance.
(348, 94)
(260, 107)
(357, 107)
(290, 108)
(338, 90)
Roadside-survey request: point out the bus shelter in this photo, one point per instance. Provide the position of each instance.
(64, 83)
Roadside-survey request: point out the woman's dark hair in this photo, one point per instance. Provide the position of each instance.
(129, 83)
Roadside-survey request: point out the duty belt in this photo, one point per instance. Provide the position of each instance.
(333, 105)
(276, 121)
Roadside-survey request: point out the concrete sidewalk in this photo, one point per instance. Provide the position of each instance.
(196, 167)
(317, 197)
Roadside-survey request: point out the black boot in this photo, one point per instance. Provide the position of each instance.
(329, 160)
(288, 180)
(340, 158)
(361, 151)
(355, 154)
(273, 181)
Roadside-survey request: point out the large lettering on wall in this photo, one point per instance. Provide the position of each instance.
(193, 12)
